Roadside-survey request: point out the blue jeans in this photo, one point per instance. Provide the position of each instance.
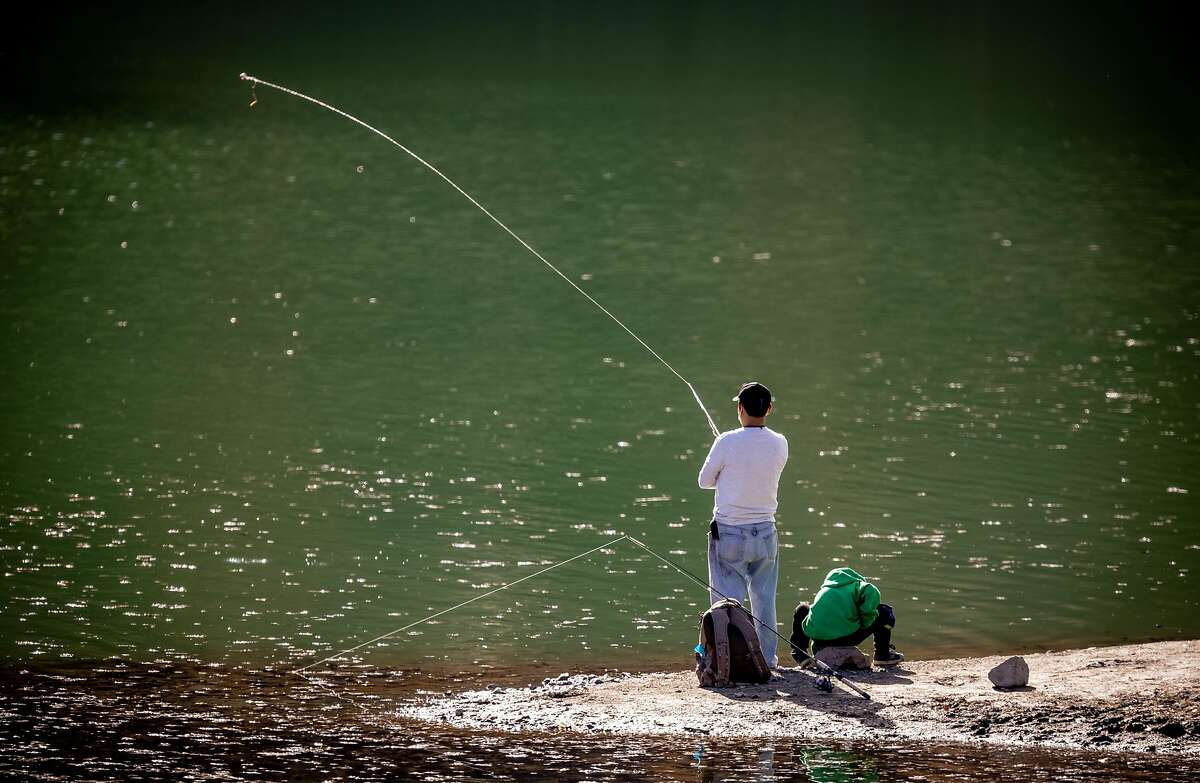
(745, 558)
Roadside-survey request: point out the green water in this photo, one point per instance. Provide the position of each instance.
(271, 389)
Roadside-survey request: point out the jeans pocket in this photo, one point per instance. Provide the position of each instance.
(769, 544)
(731, 547)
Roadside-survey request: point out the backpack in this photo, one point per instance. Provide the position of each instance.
(729, 651)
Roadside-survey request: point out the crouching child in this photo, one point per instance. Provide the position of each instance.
(845, 611)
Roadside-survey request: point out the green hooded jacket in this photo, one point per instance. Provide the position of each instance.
(845, 603)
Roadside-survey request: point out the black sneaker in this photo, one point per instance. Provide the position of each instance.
(808, 663)
(889, 658)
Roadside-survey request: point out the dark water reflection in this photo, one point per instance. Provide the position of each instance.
(112, 720)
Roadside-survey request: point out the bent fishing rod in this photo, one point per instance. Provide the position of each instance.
(254, 82)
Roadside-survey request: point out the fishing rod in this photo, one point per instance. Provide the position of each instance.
(254, 81)
(825, 669)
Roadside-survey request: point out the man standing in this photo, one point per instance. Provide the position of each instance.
(743, 466)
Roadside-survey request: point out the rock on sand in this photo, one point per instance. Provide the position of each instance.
(843, 658)
(1013, 673)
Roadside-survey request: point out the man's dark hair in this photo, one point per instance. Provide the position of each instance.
(755, 398)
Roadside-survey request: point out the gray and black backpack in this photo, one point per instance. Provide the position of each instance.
(729, 651)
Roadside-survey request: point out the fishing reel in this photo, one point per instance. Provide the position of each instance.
(824, 684)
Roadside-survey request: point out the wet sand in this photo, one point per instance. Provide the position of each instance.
(1132, 698)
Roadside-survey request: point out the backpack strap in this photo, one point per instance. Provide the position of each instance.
(706, 662)
(720, 616)
(741, 619)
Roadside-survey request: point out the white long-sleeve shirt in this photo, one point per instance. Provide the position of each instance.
(744, 465)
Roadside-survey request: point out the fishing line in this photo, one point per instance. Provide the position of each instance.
(829, 671)
(705, 584)
(254, 81)
(300, 672)
(456, 606)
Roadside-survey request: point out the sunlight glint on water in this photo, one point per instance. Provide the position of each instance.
(272, 389)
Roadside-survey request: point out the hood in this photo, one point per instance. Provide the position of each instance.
(840, 577)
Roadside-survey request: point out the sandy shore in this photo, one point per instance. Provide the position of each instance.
(1134, 698)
